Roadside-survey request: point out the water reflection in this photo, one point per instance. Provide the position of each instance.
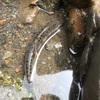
(57, 84)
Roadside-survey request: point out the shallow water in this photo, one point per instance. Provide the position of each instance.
(57, 84)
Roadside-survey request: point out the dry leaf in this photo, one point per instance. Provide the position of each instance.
(17, 70)
(2, 21)
(6, 62)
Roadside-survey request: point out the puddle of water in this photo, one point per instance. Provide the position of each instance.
(57, 84)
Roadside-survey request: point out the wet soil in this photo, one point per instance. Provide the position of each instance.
(15, 39)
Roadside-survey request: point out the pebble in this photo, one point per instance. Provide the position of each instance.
(7, 54)
(49, 58)
(58, 45)
(28, 15)
(14, 16)
(43, 62)
(17, 70)
(6, 62)
(1, 74)
(20, 26)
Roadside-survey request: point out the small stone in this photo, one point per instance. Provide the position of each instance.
(34, 1)
(7, 54)
(17, 70)
(49, 58)
(43, 62)
(20, 26)
(1, 74)
(58, 45)
(14, 16)
(28, 15)
(5, 62)
(9, 77)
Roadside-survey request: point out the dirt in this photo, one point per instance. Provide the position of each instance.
(15, 39)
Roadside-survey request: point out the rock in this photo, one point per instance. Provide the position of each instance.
(20, 26)
(58, 45)
(43, 62)
(7, 54)
(28, 15)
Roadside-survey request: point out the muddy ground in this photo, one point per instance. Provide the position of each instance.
(15, 39)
